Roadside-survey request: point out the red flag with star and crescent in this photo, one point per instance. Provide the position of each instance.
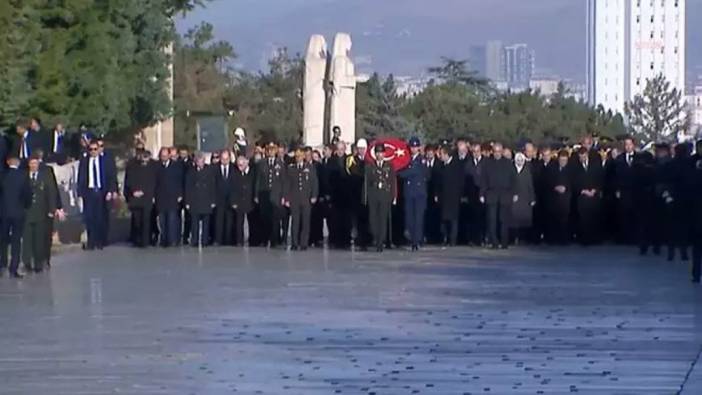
(396, 152)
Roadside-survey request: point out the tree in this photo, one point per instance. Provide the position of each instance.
(457, 72)
(659, 114)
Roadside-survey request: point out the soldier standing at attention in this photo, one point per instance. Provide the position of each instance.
(270, 178)
(415, 178)
(40, 212)
(301, 191)
(379, 188)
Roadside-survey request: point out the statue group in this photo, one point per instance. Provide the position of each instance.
(329, 92)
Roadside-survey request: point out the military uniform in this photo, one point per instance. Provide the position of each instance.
(379, 190)
(415, 178)
(270, 182)
(40, 212)
(301, 187)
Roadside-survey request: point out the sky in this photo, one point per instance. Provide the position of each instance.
(405, 37)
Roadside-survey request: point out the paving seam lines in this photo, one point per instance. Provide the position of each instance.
(690, 370)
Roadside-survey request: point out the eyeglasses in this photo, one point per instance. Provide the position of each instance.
(93, 149)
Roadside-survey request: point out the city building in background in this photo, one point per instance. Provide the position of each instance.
(509, 66)
(518, 66)
(694, 104)
(630, 42)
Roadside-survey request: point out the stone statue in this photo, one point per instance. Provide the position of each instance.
(313, 94)
(342, 76)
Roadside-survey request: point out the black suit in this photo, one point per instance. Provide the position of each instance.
(476, 223)
(140, 177)
(169, 194)
(15, 198)
(200, 200)
(432, 216)
(588, 207)
(498, 187)
(624, 191)
(58, 149)
(242, 201)
(224, 214)
(557, 203)
(95, 208)
(448, 192)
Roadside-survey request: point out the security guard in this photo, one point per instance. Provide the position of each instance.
(40, 212)
(380, 189)
(415, 178)
(270, 179)
(301, 191)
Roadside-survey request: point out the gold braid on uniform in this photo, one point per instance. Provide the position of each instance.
(350, 162)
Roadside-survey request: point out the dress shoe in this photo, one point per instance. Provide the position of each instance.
(303, 248)
(293, 248)
(16, 275)
(379, 248)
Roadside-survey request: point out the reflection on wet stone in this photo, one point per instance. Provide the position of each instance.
(459, 321)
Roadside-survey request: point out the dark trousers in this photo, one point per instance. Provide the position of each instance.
(95, 216)
(415, 207)
(271, 218)
(169, 224)
(187, 224)
(378, 213)
(301, 215)
(696, 258)
(432, 222)
(498, 217)
(340, 230)
(476, 223)
(199, 229)
(449, 230)
(11, 232)
(558, 231)
(34, 246)
(589, 209)
(361, 223)
(239, 217)
(141, 226)
(679, 229)
(317, 224)
(224, 224)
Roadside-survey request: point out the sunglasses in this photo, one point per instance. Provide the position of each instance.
(93, 149)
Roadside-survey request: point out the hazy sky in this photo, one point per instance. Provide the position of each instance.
(407, 36)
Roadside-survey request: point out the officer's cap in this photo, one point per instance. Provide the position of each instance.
(414, 142)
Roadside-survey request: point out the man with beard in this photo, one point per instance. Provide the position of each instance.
(139, 192)
(449, 190)
(242, 197)
(301, 191)
(497, 191)
(355, 168)
(587, 187)
(557, 195)
(224, 215)
(270, 179)
(476, 223)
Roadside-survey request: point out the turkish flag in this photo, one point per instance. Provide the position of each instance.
(396, 152)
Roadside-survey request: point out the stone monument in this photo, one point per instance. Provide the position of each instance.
(342, 78)
(314, 94)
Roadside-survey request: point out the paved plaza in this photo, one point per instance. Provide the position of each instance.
(461, 321)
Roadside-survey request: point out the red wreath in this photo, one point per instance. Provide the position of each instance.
(396, 152)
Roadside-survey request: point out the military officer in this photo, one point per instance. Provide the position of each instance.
(380, 189)
(301, 191)
(40, 212)
(415, 178)
(270, 179)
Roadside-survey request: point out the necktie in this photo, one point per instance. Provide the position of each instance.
(34, 177)
(59, 144)
(628, 159)
(225, 172)
(96, 178)
(23, 153)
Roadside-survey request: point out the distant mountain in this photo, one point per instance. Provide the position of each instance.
(407, 36)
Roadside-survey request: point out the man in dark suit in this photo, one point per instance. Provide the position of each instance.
(476, 220)
(270, 179)
(15, 198)
(224, 214)
(4, 153)
(557, 196)
(139, 192)
(58, 149)
(448, 193)
(497, 191)
(200, 200)
(301, 192)
(97, 183)
(40, 212)
(624, 186)
(587, 187)
(432, 217)
(242, 197)
(26, 141)
(168, 195)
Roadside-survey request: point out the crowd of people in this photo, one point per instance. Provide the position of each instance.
(462, 192)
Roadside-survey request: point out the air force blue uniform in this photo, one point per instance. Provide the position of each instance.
(415, 179)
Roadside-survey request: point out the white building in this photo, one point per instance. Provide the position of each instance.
(630, 42)
(518, 65)
(694, 104)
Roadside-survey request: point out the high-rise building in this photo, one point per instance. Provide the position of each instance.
(518, 65)
(630, 42)
(478, 60)
(494, 60)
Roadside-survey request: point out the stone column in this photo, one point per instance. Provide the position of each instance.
(342, 76)
(313, 93)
